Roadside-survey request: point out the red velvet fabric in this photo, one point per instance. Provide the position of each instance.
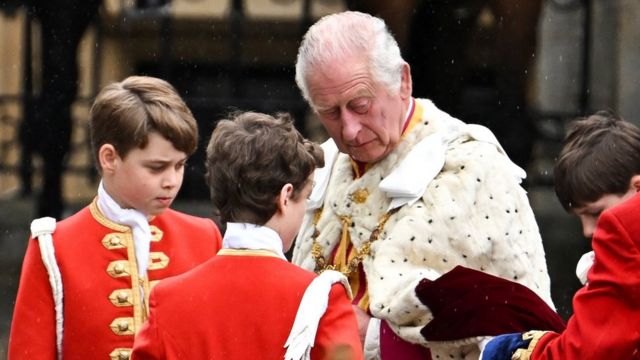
(468, 303)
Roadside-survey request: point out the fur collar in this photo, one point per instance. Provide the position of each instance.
(409, 169)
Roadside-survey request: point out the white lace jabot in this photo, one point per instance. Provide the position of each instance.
(136, 220)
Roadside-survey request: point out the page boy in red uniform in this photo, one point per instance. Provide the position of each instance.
(249, 302)
(86, 280)
(597, 177)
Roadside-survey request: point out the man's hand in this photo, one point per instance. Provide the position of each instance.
(363, 322)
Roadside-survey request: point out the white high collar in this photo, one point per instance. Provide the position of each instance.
(253, 237)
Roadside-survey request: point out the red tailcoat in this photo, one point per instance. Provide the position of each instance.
(103, 308)
(240, 305)
(606, 320)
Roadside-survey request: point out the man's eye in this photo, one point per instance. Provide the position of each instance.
(329, 114)
(360, 107)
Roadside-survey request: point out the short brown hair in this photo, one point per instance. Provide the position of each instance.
(250, 157)
(600, 155)
(124, 113)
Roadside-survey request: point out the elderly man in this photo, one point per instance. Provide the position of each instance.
(407, 193)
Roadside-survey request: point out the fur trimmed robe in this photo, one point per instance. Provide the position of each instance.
(470, 211)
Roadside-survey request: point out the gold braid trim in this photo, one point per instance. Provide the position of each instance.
(525, 354)
(360, 254)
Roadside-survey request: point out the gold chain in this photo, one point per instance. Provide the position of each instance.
(360, 254)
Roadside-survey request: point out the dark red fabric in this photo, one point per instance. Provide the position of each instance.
(393, 347)
(467, 303)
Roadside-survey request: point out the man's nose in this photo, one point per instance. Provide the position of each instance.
(350, 126)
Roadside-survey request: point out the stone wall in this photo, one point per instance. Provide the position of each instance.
(614, 71)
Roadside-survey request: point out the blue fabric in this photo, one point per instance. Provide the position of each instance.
(502, 347)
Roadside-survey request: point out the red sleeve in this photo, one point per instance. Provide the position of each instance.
(606, 320)
(338, 330)
(33, 329)
(148, 343)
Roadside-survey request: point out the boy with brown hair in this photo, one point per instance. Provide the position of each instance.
(249, 302)
(598, 166)
(597, 177)
(86, 280)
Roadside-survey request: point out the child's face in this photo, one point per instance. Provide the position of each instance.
(590, 212)
(148, 179)
(295, 215)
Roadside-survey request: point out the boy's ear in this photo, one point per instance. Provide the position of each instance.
(635, 182)
(107, 156)
(284, 197)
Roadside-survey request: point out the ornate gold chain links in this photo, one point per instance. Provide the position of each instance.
(360, 254)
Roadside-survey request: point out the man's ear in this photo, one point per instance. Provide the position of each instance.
(635, 182)
(284, 197)
(107, 156)
(406, 85)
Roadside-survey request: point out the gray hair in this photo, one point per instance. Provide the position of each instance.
(336, 36)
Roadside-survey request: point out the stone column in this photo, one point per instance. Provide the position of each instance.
(629, 60)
